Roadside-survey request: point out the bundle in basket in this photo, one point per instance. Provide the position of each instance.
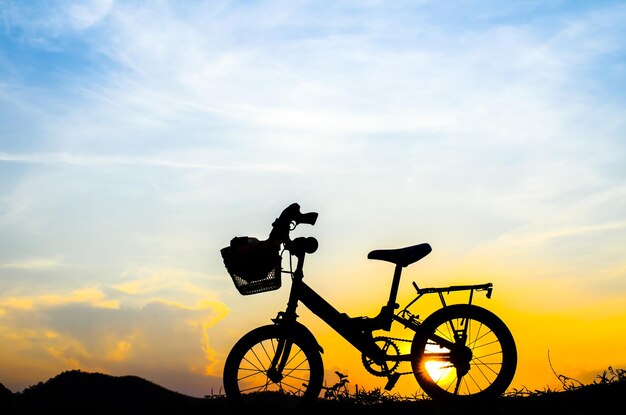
(254, 265)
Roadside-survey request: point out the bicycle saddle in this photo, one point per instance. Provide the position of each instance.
(402, 256)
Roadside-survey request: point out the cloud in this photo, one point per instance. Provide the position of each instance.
(95, 160)
(86, 14)
(33, 264)
(500, 113)
(568, 232)
(40, 21)
(272, 89)
(83, 295)
(86, 329)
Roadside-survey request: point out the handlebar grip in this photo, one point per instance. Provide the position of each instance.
(308, 218)
(311, 245)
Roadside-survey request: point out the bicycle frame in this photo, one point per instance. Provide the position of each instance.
(358, 330)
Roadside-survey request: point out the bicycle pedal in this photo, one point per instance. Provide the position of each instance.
(391, 381)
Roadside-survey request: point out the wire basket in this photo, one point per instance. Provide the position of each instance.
(254, 266)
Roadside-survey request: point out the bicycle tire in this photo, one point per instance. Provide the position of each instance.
(246, 378)
(458, 375)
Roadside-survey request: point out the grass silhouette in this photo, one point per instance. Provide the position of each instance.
(604, 394)
(75, 392)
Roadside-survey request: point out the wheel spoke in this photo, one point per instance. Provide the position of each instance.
(268, 354)
(456, 387)
(250, 375)
(481, 365)
(254, 365)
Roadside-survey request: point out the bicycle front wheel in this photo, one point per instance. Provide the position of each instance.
(274, 365)
(463, 352)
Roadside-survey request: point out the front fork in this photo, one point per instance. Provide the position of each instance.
(291, 331)
(283, 350)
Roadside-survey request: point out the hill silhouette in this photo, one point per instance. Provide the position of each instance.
(75, 392)
(96, 393)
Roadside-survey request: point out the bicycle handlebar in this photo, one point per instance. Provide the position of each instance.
(291, 214)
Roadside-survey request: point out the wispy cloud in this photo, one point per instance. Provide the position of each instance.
(94, 160)
(88, 295)
(89, 13)
(33, 264)
(543, 237)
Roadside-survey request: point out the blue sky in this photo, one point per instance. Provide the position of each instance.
(138, 137)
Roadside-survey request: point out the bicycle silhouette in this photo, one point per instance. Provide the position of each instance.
(460, 352)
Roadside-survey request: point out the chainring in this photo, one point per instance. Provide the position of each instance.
(390, 348)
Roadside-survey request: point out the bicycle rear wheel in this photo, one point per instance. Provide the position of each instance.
(274, 365)
(480, 363)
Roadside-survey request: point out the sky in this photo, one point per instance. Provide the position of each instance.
(137, 138)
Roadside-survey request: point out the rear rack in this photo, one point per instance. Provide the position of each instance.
(446, 290)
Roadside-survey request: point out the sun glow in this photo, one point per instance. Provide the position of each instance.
(438, 370)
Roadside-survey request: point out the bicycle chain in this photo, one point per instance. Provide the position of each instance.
(382, 373)
(401, 340)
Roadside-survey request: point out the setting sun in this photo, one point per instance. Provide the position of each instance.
(440, 372)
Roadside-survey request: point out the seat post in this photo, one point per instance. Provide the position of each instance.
(394, 287)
